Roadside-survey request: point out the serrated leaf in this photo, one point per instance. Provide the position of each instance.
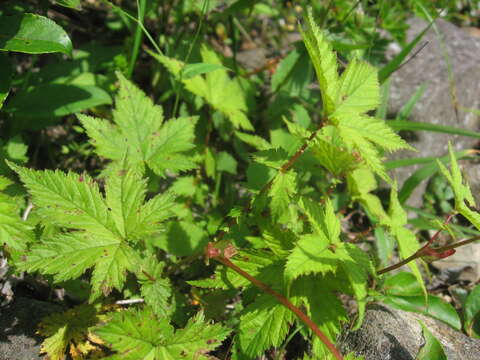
(324, 61)
(252, 261)
(281, 192)
(264, 324)
(329, 149)
(357, 266)
(372, 129)
(358, 90)
(68, 330)
(99, 235)
(14, 233)
(406, 239)
(323, 307)
(141, 135)
(463, 196)
(155, 290)
(311, 255)
(124, 194)
(273, 158)
(140, 335)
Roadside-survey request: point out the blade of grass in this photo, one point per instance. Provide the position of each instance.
(399, 125)
(406, 109)
(141, 7)
(396, 62)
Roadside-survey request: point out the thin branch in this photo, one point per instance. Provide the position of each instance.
(446, 250)
(216, 254)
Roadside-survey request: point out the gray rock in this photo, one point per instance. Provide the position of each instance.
(438, 105)
(391, 334)
(18, 323)
(467, 256)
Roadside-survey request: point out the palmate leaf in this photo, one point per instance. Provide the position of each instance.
(264, 324)
(140, 133)
(101, 231)
(216, 88)
(346, 100)
(140, 335)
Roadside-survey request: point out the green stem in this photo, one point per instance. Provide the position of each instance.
(141, 8)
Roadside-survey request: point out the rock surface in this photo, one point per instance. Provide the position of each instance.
(391, 334)
(445, 101)
(18, 323)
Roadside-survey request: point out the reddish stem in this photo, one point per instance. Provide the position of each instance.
(284, 301)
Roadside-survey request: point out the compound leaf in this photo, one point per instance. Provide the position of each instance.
(140, 335)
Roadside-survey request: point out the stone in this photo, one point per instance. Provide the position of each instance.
(466, 257)
(18, 323)
(392, 334)
(438, 105)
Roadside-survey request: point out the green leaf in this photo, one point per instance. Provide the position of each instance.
(374, 130)
(192, 70)
(407, 241)
(216, 88)
(226, 163)
(471, 309)
(358, 90)
(357, 267)
(264, 324)
(311, 254)
(55, 100)
(155, 290)
(402, 284)
(140, 134)
(32, 34)
(293, 74)
(255, 262)
(124, 195)
(433, 307)
(326, 310)
(324, 61)
(140, 335)
(463, 196)
(14, 232)
(99, 235)
(283, 188)
(432, 350)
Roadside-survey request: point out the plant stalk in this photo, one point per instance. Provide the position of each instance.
(284, 301)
